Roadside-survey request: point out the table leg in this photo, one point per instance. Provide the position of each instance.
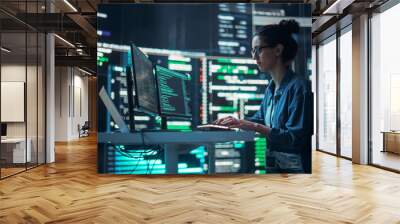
(384, 143)
(171, 159)
(211, 158)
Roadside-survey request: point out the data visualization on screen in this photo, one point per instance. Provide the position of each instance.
(236, 88)
(174, 100)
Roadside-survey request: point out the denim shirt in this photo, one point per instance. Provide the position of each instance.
(289, 114)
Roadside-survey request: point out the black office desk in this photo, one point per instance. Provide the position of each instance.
(174, 141)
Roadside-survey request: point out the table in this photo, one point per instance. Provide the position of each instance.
(174, 141)
(391, 141)
(13, 150)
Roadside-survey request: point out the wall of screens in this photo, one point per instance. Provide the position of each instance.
(209, 42)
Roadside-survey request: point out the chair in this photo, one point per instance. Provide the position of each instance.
(84, 130)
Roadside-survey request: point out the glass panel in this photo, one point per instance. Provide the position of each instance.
(32, 109)
(23, 59)
(13, 86)
(385, 84)
(41, 99)
(314, 90)
(327, 96)
(32, 85)
(346, 94)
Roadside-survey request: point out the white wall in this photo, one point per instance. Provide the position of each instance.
(13, 73)
(71, 94)
(16, 73)
(61, 103)
(81, 84)
(34, 124)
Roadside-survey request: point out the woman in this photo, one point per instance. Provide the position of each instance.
(286, 113)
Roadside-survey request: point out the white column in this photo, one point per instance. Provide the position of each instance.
(360, 90)
(50, 92)
(50, 109)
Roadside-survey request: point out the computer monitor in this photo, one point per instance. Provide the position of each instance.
(145, 85)
(173, 97)
(132, 97)
(3, 129)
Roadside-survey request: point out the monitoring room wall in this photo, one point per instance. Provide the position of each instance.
(211, 44)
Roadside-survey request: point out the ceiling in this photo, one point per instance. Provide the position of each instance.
(75, 21)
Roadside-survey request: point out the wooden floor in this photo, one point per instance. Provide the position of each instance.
(5, 172)
(386, 159)
(70, 191)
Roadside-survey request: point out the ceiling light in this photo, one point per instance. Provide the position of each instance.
(327, 11)
(86, 72)
(70, 5)
(64, 40)
(5, 50)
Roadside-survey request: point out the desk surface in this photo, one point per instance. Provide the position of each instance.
(390, 132)
(197, 137)
(13, 140)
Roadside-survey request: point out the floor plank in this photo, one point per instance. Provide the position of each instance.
(70, 191)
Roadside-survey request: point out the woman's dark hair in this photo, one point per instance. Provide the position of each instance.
(281, 33)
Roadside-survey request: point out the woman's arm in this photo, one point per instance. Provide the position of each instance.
(262, 129)
(299, 124)
(245, 125)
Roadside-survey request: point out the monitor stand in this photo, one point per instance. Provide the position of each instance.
(163, 123)
(112, 109)
(132, 127)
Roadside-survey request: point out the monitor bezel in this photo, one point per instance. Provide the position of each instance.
(137, 104)
(3, 126)
(132, 98)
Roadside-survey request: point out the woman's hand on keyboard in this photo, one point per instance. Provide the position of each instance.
(227, 121)
(233, 122)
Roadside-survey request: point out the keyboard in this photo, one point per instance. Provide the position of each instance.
(214, 127)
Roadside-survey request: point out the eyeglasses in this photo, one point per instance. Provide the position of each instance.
(257, 50)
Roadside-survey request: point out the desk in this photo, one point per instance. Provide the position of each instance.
(13, 150)
(391, 141)
(175, 141)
